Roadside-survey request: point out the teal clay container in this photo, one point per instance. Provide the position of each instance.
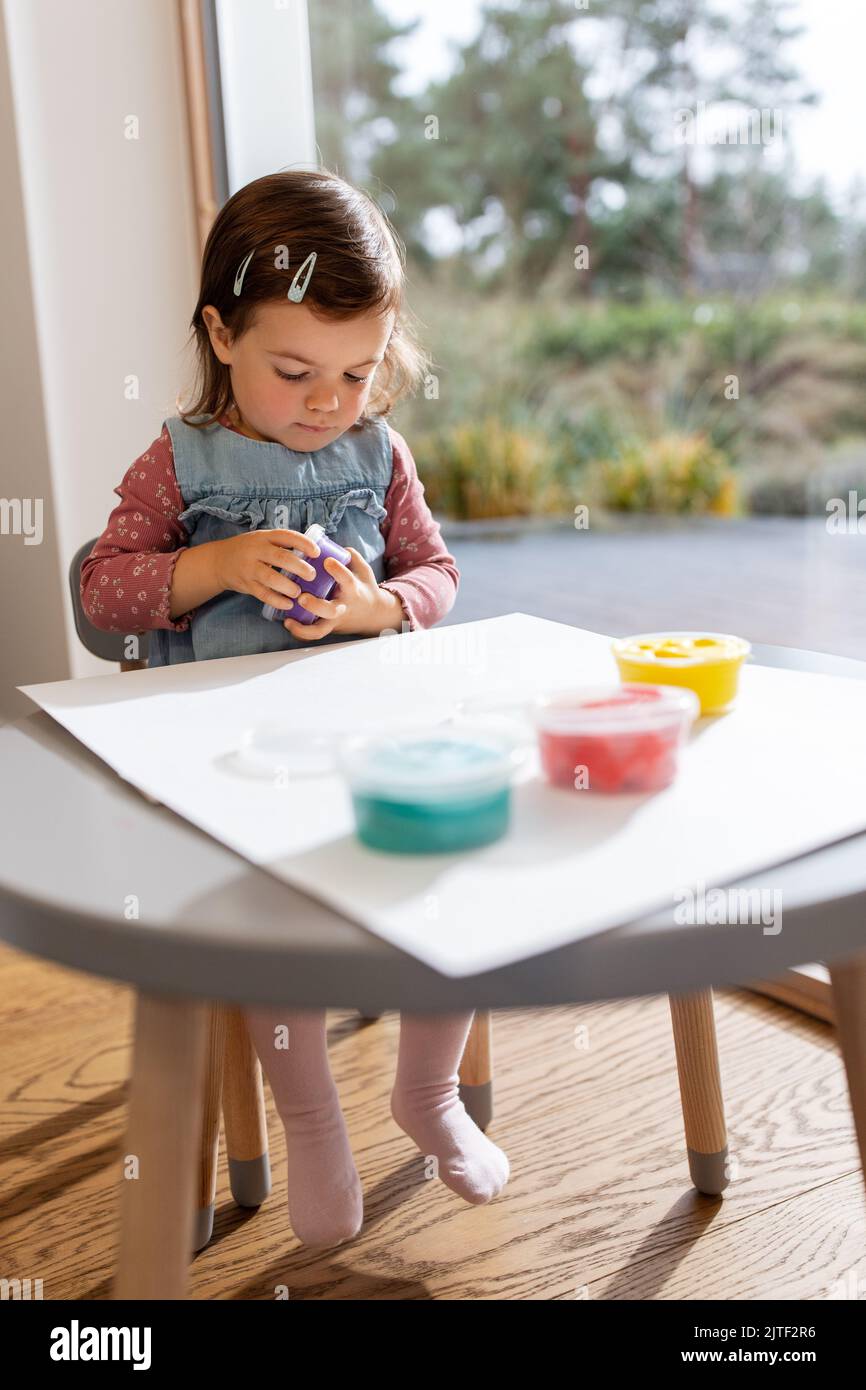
(437, 791)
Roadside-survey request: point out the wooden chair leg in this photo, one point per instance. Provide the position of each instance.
(165, 1116)
(210, 1134)
(476, 1070)
(848, 978)
(243, 1101)
(697, 1052)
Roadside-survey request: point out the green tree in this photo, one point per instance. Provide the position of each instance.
(514, 152)
(354, 99)
(685, 58)
(521, 158)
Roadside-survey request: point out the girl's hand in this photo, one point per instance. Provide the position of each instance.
(358, 605)
(243, 563)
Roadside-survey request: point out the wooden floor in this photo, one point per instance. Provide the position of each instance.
(599, 1203)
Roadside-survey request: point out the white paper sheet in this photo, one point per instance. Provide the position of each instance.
(783, 773)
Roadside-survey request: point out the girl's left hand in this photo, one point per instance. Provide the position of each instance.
(358, 605)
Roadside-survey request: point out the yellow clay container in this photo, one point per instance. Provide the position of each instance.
(706, 662)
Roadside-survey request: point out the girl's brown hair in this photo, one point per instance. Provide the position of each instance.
(359, 269)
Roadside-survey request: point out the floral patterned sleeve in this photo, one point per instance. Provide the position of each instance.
(419, 568)
(126, 578)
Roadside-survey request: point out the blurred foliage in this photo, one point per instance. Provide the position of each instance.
(490, 469)
(591, 333)
(680, 474)
(770, 388)
(723, 332)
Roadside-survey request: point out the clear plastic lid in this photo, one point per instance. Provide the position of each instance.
(272, 747)
(681, 648)
(458, 759)
(608, 709)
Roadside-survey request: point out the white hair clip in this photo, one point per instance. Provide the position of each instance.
(239, 278)
(296, 290)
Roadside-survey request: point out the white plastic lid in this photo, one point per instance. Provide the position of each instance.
(626, 708)
(431, 764)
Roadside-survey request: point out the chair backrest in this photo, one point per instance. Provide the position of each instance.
(107, 645)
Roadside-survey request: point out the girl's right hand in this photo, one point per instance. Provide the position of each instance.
(243, 563)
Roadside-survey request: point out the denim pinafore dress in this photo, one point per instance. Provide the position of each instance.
(231, 484)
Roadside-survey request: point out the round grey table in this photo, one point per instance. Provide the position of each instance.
(77, 842)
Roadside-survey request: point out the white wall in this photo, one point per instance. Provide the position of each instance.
(101, 263)
(33, 645)
(113, 268)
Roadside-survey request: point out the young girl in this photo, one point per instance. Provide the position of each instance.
(302, 350)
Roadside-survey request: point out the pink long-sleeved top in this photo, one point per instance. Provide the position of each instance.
(126, 578)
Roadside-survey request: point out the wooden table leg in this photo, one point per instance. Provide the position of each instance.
(697, 1052)
(244, 1114)
(476, 1070)
(210, 1134)
(158, 1188)
(848, 978)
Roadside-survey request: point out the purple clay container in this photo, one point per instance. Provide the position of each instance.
(322, 586)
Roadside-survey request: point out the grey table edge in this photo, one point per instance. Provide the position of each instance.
(214, 926)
